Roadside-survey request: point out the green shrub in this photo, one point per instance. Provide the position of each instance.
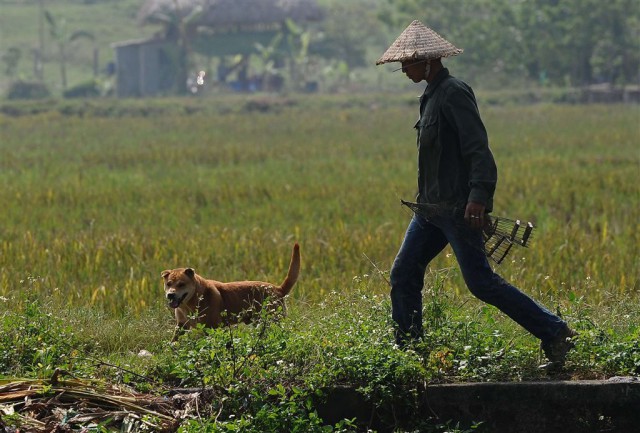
(28, 90)
(88, 89)
(255, 386)
(270, 375)
(34, 342)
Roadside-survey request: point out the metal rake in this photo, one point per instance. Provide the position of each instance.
(500, 234)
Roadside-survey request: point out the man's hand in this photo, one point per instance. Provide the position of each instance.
(474, 215)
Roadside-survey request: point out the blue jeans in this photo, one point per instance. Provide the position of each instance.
(423, 241)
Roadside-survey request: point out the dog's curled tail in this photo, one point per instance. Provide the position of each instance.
(294, 271)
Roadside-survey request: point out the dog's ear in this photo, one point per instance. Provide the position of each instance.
(165, 274)
(190, 272)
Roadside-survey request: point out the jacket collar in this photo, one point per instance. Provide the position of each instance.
(432, 86)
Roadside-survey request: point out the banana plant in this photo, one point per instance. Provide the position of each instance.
(268, 55)
(297, 45)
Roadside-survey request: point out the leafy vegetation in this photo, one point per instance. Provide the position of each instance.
(274, 376)
(101, 197)
(535, 43)
(568, 42)
(27, 90)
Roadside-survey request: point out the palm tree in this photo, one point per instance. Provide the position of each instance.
(179, 27)
(62, 36)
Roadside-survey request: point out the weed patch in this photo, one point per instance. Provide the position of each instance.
(34, 342)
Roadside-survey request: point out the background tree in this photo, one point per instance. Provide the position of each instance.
(507, 43)
(39, 52)
(62, 36)
(350, 29)
(487, 30)
(11, 58)
(178, 27)
(579, 42)
(268, 55)
(567, 42)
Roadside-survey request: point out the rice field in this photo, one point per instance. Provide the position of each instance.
(95, 207)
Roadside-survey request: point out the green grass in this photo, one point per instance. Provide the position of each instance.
(270, 377)
(95, 206)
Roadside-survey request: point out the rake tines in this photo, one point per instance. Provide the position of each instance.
(501, 234)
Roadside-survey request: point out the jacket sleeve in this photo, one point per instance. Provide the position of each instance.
(461, 111)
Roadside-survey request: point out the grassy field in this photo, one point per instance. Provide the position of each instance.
(96, 206)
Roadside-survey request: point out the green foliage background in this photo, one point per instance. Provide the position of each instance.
(507, 43)
(560, 42)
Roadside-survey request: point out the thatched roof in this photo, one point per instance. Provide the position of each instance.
(233, 13)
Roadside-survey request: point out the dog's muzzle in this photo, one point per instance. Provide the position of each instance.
(175, 300)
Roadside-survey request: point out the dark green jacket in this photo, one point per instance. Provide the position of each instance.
(455, 164)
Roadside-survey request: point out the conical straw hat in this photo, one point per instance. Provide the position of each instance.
(418, 42)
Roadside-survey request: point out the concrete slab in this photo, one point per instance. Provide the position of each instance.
(584, 406)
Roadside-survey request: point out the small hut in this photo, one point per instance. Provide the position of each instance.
(214, 28)
(144, 68)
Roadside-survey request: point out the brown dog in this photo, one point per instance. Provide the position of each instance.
(213, 303)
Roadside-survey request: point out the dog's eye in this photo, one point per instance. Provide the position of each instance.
(180, 285)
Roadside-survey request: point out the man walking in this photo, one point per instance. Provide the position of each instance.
(456, 170)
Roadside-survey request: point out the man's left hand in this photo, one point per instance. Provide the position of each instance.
(474, 214)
